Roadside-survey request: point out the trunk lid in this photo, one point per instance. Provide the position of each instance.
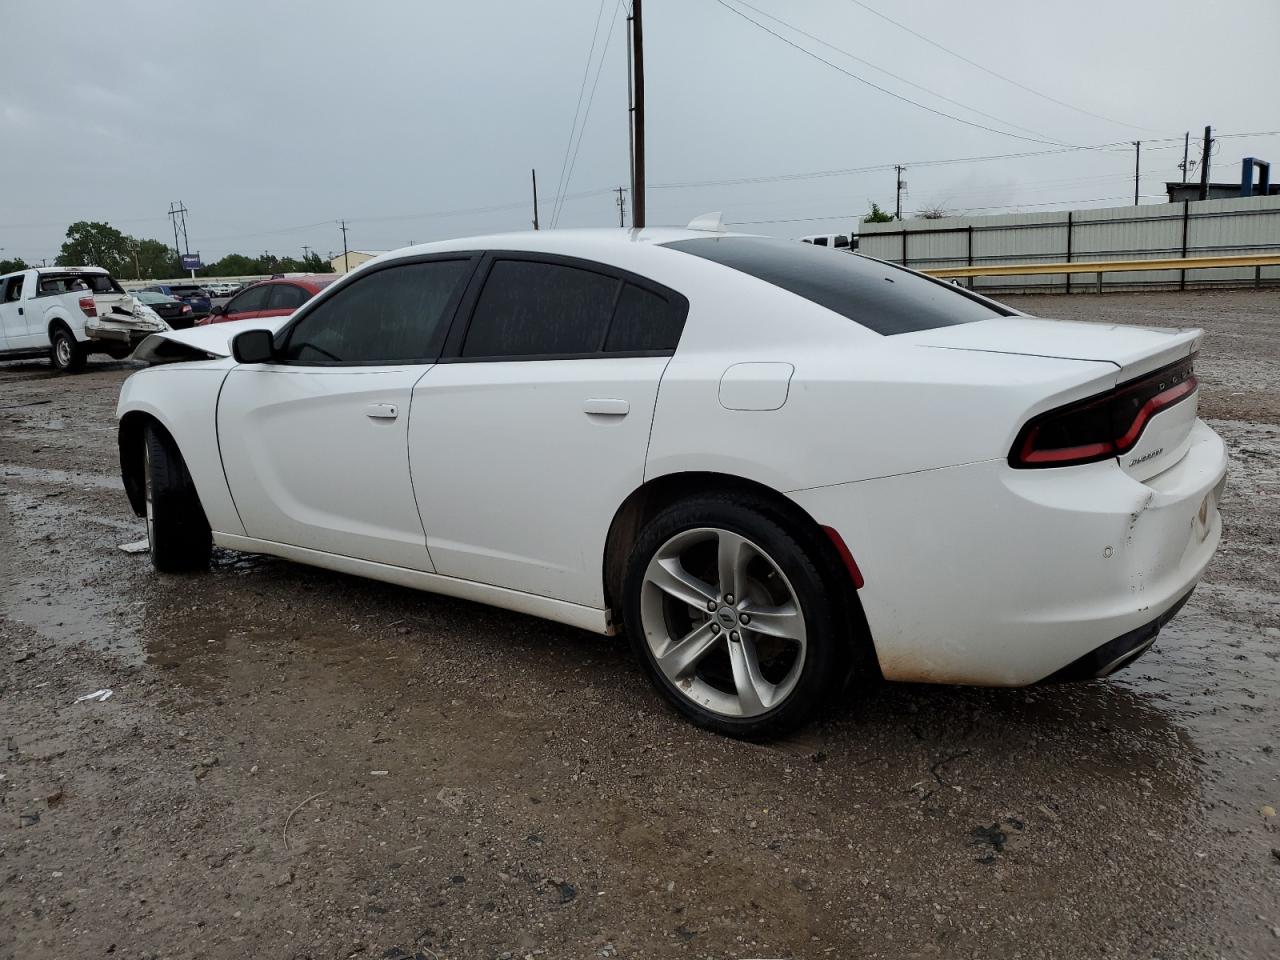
(1136, 353)
(1134, 350)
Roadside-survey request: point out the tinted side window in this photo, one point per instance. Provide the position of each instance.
(643, 321)
(394, 314)
(876, 295)
(250, 301)
(13, 290)
(529, 309)
(285, 296)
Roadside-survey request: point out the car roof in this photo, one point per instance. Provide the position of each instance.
(44, 270)
(312, 282)
(577, 242)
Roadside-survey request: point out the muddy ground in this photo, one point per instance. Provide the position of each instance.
(296, 763)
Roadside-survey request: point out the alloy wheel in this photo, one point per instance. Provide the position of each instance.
(723, 622)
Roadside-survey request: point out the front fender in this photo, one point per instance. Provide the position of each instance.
(183, 399)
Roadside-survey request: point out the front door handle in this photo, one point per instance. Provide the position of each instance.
(606, 407)
(382, 411)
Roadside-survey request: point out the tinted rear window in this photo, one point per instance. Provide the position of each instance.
(876, 295)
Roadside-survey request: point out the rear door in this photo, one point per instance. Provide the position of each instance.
(283, 299)
(533, 428)
(315, 445)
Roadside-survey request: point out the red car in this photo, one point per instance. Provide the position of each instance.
(269, 298)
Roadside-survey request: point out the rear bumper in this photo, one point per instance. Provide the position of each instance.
(117, 332)
(983, 574)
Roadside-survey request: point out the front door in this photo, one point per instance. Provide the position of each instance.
(14, 333)
(315, 444)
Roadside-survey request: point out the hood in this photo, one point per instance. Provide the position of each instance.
(1135, 350)
(200, 343)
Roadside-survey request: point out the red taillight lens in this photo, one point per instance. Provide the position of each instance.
(1104, 426)
(88, 307)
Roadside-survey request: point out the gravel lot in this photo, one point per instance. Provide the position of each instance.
(296, 763)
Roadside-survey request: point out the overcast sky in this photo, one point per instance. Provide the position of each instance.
(272, 120)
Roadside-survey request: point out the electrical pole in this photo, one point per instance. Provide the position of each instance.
(534, 174)
(622, 206)
(1186, 149)
(1204, 163)
(346, 265)
(306, 252)
(898, 202)
(631, 130)
(637, 186)
(173, 215)
(1137, 155)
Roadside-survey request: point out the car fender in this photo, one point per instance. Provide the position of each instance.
(183, 398)
(73, 320)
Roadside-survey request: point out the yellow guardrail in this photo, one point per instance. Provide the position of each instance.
(1106, 266)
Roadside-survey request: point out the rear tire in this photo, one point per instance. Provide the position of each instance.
(66, 355)
(731, 618)
(177, 529)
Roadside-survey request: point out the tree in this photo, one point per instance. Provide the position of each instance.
(13, 266)
(96, 245)
(937, 211)
(877, 215)
(156, 260)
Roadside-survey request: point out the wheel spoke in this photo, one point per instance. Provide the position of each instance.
(784, 621)
(669, 575)
(755, 693)
(679, 657)
(733, 552)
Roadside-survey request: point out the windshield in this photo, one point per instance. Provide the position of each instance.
(187, 291)
(148, 297)
(56, 283)
(874, 294)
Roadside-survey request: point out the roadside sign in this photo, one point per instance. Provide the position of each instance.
(191, 261)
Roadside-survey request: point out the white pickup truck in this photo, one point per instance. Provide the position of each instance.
(67, 313)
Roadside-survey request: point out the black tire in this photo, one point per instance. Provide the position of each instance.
(177, 529)
(66, 355)
(828, 647)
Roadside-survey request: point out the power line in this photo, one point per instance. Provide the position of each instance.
(998, 76)
(582, 89)
(897, 96)
(888, 73)
(586, 114)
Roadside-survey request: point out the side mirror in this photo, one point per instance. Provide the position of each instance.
(218, 309)
(253, 346)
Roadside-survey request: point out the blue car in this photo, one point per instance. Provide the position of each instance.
(189, 293)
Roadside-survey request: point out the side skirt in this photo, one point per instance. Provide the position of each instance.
(561, 611)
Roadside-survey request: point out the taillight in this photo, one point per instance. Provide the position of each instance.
(1103, 426)
(88, 307)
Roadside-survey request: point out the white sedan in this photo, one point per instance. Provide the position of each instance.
(777, 466)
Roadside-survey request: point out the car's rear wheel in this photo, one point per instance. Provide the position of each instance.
(731, 618)
(177, 529)
(64, 353)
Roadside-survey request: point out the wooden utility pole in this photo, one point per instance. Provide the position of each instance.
(637, 55)
(1186, 150)
(346, 265)
(1137, 155)
(897, 207)
(534, 174)
(622, 206)
(1204, 163)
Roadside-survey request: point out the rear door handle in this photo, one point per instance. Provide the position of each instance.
(606, 407)
(382, 411)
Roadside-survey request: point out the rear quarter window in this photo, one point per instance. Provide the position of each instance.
(876, 295)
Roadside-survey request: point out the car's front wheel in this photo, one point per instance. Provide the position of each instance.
(732, 619)
(177, 530)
